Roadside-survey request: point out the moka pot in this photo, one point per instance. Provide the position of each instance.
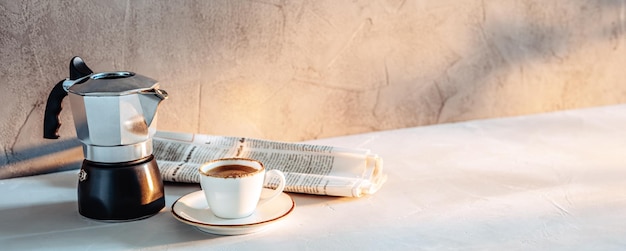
(115, 116)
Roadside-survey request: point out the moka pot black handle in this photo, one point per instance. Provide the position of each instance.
(51, 123)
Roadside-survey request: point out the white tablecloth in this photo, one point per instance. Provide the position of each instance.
(548, 182)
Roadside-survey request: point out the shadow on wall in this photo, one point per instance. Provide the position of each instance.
(548, 57)
(502, 58)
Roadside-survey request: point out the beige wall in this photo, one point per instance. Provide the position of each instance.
(298, 70)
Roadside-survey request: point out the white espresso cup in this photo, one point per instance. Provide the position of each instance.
(233, 186)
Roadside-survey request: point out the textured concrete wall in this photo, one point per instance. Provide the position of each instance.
(298, 70)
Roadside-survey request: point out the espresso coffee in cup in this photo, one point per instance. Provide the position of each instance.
(231, 171)
(233, 186)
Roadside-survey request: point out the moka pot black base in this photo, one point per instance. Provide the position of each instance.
(120, 191)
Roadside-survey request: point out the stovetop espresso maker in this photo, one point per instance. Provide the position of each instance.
(115, 116)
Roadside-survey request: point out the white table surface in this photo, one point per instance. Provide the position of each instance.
(543, 182)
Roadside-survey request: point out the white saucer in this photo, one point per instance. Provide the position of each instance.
(192, 209)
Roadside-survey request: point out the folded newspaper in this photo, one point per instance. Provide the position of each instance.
(312, 169)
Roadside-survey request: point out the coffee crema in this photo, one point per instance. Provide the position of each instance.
(231, 171)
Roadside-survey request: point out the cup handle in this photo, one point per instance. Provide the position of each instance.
(278, 190)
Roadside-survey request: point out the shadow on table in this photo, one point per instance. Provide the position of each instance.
(311, 199)
(68, 179)
(58, 226)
